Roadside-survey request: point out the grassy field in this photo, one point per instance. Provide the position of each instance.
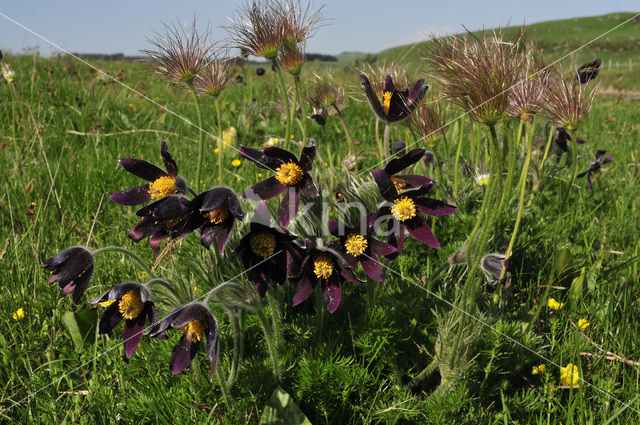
(62, 131)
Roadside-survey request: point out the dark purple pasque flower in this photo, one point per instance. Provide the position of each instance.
(162, 183)
(588, 71)
(594, 167)
(396, 105)
(292, 177)
(406, 181)
(327, 267)
(72, 268)
(196, 323)
(168, 217)
(268, 253)
(491, 266)
(215, 211)
(402, 208)
(358, 245)
(132, 302)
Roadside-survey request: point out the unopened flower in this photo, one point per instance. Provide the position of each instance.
(8, 73)
(588, 71)
(292, 59)
(324, 266)
(569, 375)
(162, 183)
(395, 105)
(583, 324)
(554, 305)
(291, 176)
(19, 314)
(72, 268)
(594, 167)
(132, 302)
(181, 52)
(197, 323)
(540, 370)
(491, 266)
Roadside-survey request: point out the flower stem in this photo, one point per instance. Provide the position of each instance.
(523, 185)
(123, 251)
(220, 141)
(238, 347)
(351, 148)
(296, 79)
(457, 160)
(276, 316)
(510, 168)
(271, 347)
(285, 97)
(546, 150)
(436, 164)
(201, 136)
(385, 141)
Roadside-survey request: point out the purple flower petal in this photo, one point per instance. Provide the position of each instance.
(433, 207)
(143, 169)
(172, 167)
(289, 206)
(307, 186)
(385, 185)
(419, 229)
(303, 290)
(307, 156)
(417, 91)
(332, 297)
(388, 84)
(372, 268)
(374, 102)
(182, 355)
(110, 318)
(265, 189)
(416, 180)
(135, 196)
(397, 164)
(381, 248)
(259, 158)
(282, 155)
(132, 333)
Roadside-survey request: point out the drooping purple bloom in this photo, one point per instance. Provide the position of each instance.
(133, 302)
(594, 167)
(268, 253)
(406, 181)
(588, 71)
(291, 177)
(215, 211)
(402, 208)
(168, 217)
(162, 183)
(72, 268)
(357, 245)
(324, 266)
(196, 322)
(396, 105)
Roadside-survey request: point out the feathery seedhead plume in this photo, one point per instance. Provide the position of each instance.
(526, 98)
(476, 72)
(181, 52)
(215, 77)
(300, 21)
(258, 29)
(325, 93)
(430, 120)
(292, 59)
(568, 102)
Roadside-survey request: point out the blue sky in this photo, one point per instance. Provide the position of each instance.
(115, 26)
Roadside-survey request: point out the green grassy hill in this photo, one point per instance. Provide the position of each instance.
(561, 37)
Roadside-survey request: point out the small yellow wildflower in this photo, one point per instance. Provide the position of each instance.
(236, 162)
(583, 324)
(259, 174)
(554, 305)
(216, 150)
(541, 369)
(569, 376)
(19, 315)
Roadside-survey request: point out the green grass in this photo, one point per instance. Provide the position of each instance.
(354, 366)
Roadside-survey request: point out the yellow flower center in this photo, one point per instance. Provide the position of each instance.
(289, 173)
(355, 244)
(194, 330)
(399, 184)
(131, 305)
(262, 244)
(386, 101)
(403, 209)
(162, 187)
(323, 266)
(218, 215)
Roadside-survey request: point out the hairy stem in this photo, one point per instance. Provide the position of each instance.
(220, 141)
(126, 252)
(285, 97)
(457, 160)
(200, 138)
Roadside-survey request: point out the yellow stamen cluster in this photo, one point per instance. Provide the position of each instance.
(398, 183)
(131, 304)
(323, 266)
(289, 173)
(355, 244)
(163, 186)
(195, 330)
(386, 101)
(218, 215)
(263, 244)
(403, 209)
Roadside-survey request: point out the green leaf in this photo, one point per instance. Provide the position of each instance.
(80, 325)
(282, 410)
(577, 288)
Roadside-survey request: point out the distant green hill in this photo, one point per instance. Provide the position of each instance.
(561, 37)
